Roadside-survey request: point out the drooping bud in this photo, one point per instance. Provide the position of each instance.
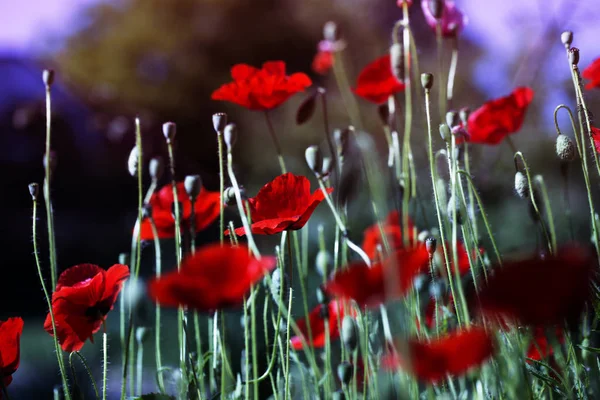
(124, 258)
(48, 77)
(192, 185)
(34, 189)
(307, 107)
(464, 115)
(169, 131)
(565, 150)
(52, 160)
(323, 262)
(331, 31)
(397, 61)
(349, 333)
(445, 132)
(230, 135)
(327, 167)
(574, 55)
(436, 7)
(431, 245)
(141, 333)
(521, 185)
(427, 81)
(452, 118)
(566, 38)
(314, 159)
(423, 235)
(132, 161)
(229, 195)
(219, 121)
(156, 168)
(454, 207)
(344, 372)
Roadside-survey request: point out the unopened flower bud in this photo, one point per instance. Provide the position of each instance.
(51, 161)
(445, 132)
(565, 150)
(349, 333)
(331, 31)
(326, 167)
(169, 131)
(436, 7)
(219, 122)
(574, 55)
(34, 190)
(323, 262)
(48, 77)
(452, 118)
(279, 283)
(124, 258)
(454, 207)
(344, 372)
(314, 159)
(431, 245)
(146, 211)
(423, 235)
(132, 161)
(426, 81)
(464, 114)
(156, 168)
(397, 61)
(230, 135)
(322, 297)
(341, 137)
(521, 185)
(141, 333)
(192, 185)
(566, 38)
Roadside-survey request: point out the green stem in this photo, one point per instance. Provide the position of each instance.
(452, 71)
(104, 361)
(341, 78)
(48, 201)
(440, 60)
(221, 189)
(275, 142)
(87, 370)
(546, 200)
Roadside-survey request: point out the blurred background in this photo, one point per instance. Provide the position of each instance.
(161, 60)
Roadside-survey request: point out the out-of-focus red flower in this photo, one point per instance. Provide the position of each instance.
(331, 312)
(596, 138)
(539, 347)
(453, 354)
(592, 72)
(10, 347)
(376, 82)
(452, 22)
(84, 295)
(213, 278)
(322, 62)
(206, 210)
(261, 89)
(498, 118)
(392, 229)
(540, 292)
(368, 286)
(400, 2)
(285, 203)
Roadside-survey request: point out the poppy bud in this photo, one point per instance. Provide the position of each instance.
(278, 284)
(230, 135)
(229, 196)
(323, 262)
(180, 207)
(324, 312)
(436, 7)
(219, 122)
(132, 161)
(141, 333)
(33, 190)
(397, 61)
(124, 258)
(349, 333)
(52, 160)
(452, 118)
(566, 38)
(314, 159)
(442, 193)
(146, 211)
(344, 372)
(48, 77)
(430, 245)
(427, 81)
(565, 150)
(341, 137)
(384, 114)
(169, 131)
(464, 115)
(574, 55)
(156, 168)
(192, 185)
(307, 108)
(445, 132)
(331, 31)
(326, 167)
(521, 185)
(454, 207)
(423, 235)
(322, 297)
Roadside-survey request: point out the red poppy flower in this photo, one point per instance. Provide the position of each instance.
(261, 89)
(367, 285)
(376, 82)
(453, 354)
(84, 295)
(213, 278)
(332, 312)
(206, 210)
(539, 348)
(592, 72)
(596, 138)
(285, 203)
(498, 118)
(393, 232)
(322, 62)
(453, 20)
(10, 347)
(540, 292)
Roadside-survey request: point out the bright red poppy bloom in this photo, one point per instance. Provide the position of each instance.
(498, 118)
(283, 204)
(10, 347)
(368, 286)
(592, 72)
(331, 312)
(261, 89)
(376, 82)
(596, 138)
(213, 278)
(323, 62)
(84, 295)
(540, 292)
(453, 19)
(452, 354)
(393, 232)
(206, 210)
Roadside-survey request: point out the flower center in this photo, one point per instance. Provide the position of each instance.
(97, 312)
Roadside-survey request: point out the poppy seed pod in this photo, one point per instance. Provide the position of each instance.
(156, 168)
(430, 245)
(219, 122)
(521, 185)
(314, 159)
(230, 135)
(48, 77)
(192, 185)
(445, 132)
(229, 196)
(169, 131)
(141, 333)
(574, 55)
(52, 160)
(323, 262)
(565, 150)
(34, 190)
(452, 118)
(344, 372)
(436, 7)
(397, 61)
(349, 333)
(427, 81)
(132, 161)
(331, 31)
(566, 38)
(463, 114)
(341, 138)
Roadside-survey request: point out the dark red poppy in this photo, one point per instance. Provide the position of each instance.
(540, 292)
(331, 312)
(84, 295)
(323, 62)
(452, 354)
(261, 89)
(368, 286)
(283, 204)
(498, 118)
(539, 348)
(596, 138)
(376, 82)
(453, 19)
(392, 229)
(592, 72)
(206, 210)
(10, 347)
(213, 278)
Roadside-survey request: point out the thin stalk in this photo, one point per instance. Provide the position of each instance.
(546, 200)
(467, 162)
(440, 59)
(287, 347)
(48, 201)
(452, 71)
(332, 151)
(221, 189)
(104, 360)
(139, 364)
(275, 142)
(341, 78)
(87, 370)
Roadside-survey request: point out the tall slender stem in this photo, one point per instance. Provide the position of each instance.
(157, 312)
(221, 189)
(104, 361)
(47, 180)
(452, 71)
(275, 142)
(341, 78)
(440, 60)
